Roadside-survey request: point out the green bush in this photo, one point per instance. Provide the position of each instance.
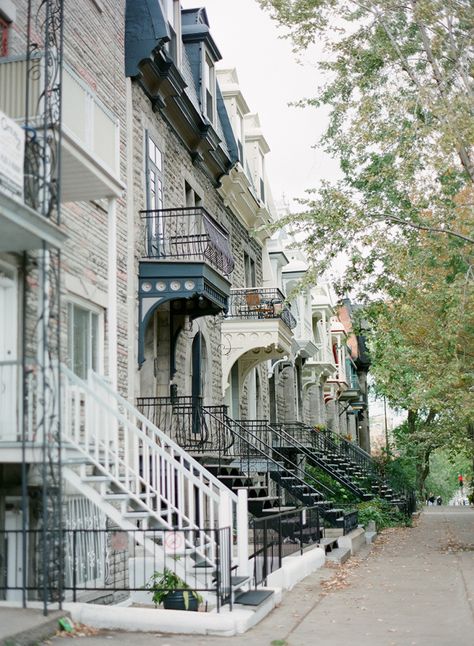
(382, 513)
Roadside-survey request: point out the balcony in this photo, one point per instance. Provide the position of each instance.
(258, 326)
(187, 260)
(90, 141)
(195, 427)
(352, 393)
(259, 303)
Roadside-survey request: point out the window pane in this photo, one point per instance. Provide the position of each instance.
(80, 331)
(158, 159)
(94, 321)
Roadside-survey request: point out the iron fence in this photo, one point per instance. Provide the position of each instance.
(113, 563)
(190, 234)
(259, 303)
(279, 535)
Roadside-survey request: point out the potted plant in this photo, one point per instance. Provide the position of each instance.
(174, 593)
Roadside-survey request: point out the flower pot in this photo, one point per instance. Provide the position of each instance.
(175, 601)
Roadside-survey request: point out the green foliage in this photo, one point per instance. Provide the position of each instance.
(382, 513)
(398, 85)
(161, 584)
(341, 496)
(444, 470)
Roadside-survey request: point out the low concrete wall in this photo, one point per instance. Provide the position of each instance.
(296, 567)
(132, 619)
(354, 541)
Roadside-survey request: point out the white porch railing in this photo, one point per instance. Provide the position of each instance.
(13, 390)
(157, 474)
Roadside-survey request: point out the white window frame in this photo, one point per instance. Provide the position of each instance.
(74, 301)
(173, 14)
(240, 136)
(208, 64)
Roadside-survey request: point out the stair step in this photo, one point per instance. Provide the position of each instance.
(238, 581)
(136, 514)
(96, 479)
(116, 496)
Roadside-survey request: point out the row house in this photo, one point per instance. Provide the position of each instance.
(157, 371)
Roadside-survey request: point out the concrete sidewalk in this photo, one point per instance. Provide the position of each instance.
(415, 588)
(24, 626)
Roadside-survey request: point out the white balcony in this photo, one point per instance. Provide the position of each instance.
(25, 229)
(258, 327)
(90, 132)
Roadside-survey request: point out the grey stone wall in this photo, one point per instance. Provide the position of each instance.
(178, 169)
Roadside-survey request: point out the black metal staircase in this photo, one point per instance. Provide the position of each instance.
(345, 462)
(244, 454)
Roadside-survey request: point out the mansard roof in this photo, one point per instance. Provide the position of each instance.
(176, 92)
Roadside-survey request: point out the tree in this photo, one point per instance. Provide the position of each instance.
(400, 89)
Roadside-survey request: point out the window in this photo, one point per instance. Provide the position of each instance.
(209, 83)
(240, 135)
(249, 271)
(83, 341)
(173, 13)
(261, 176)
(154, 174)
(191, 197)
(4, 33)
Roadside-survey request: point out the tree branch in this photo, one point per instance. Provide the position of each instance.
(425, 227)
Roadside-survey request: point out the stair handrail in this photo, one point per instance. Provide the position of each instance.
(173, 456)
(311, 455)
(295, 444)
(267, 454)
(163, 437)
(335, 441)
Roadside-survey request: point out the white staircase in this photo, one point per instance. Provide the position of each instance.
(137, 475)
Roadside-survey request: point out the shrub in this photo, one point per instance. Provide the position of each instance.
(382, 513)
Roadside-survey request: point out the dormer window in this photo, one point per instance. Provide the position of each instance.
(209, 87)
(261, 177)
(240, 135)
(173, 14)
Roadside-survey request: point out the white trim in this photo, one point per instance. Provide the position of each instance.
(72, 299)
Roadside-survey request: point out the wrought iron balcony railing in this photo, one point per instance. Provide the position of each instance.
(188, 422)
(187, 234)
(259, 303)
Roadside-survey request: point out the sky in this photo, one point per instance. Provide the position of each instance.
(270, 78)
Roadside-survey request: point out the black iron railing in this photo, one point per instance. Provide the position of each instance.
(113, 563)
(188, 422)
(254, 446)
(350, 521)
(259, 303)
(254, 452)
(320, 444)
(315, 445)
(187, 234)
(279, 535)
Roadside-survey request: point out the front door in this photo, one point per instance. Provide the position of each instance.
(9, 369)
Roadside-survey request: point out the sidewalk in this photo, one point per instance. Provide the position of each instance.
(415, 588)
(24, 626)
